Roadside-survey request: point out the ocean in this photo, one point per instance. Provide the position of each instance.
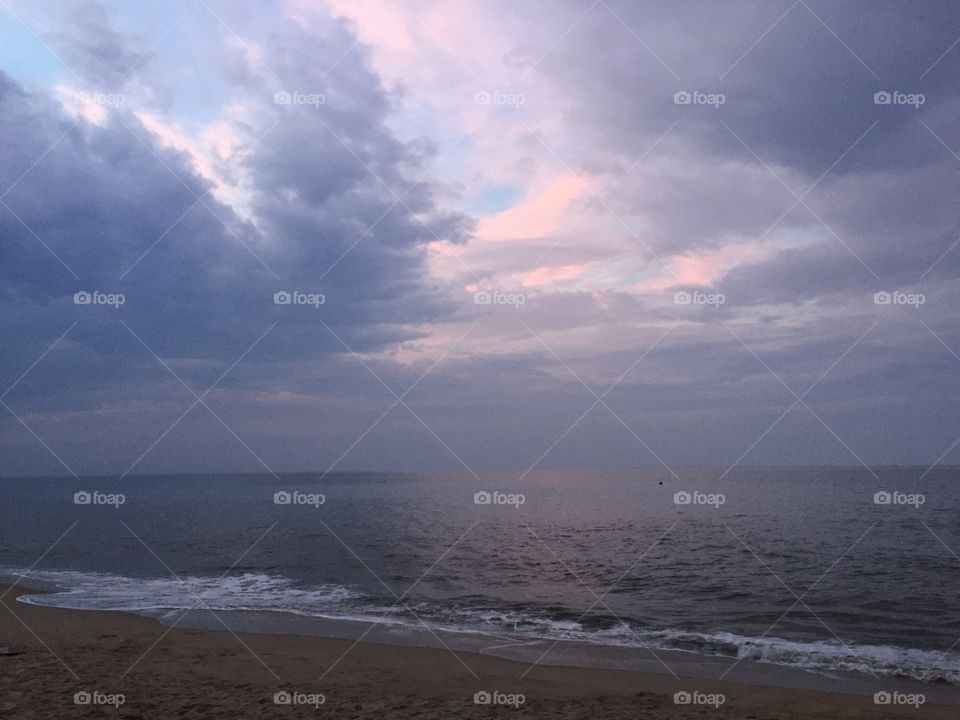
(823, 570)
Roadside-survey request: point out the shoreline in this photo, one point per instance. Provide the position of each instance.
(775, 661)
(202, 673)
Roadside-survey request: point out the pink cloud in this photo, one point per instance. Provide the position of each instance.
(548, 275)
(689, 269)
(543, 215)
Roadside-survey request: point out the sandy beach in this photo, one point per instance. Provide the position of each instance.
(178, 673)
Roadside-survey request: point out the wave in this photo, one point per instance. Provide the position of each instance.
(822, 656)
(258, 591)
(249, 591)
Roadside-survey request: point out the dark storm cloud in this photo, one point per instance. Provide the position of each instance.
(797, 96)
(121, 213)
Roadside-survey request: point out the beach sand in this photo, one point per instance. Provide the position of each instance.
(178, 673)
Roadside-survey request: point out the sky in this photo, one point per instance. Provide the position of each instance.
(462, 236)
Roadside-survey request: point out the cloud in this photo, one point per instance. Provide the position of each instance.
(123, 206)
(94, 48)
(363, 156)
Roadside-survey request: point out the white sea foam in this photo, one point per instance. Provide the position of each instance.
(249, 591)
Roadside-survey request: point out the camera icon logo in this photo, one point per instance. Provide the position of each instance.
(882, 98)
(882, 497)
(82, 298)
(682, 297)
(282, 98)
(682, 98)
(82, 698)
(82, 498)
(482, 98)
(282, 497)
(882, 698)
(282, 698)
(682, 497)
(882, 298)
(282, 297)
(682, 698)
(482, 498)
(482, 297)
(482, 698)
